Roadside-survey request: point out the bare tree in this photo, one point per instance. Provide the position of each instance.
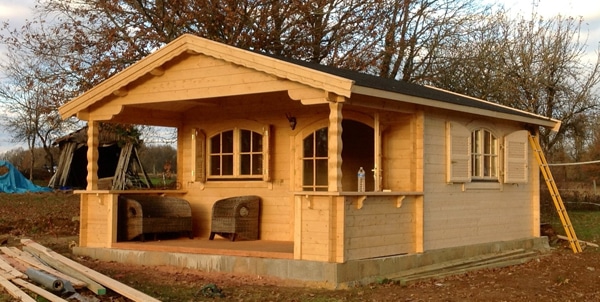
(414, 31)
(32, 89)
(537, 65)
(23, 106)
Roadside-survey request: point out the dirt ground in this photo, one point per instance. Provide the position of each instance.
(48, 219)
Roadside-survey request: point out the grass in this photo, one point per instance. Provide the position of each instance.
(585, 223)
(159, 182)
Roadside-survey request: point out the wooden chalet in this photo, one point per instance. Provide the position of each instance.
(447, 174)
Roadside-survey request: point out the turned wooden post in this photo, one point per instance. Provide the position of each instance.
(92, 155)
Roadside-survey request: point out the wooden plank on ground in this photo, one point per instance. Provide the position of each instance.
(32, 287)
(14, 291)
(18, 265)
(115, 285)
(38, 290)
(92, 285)
(9, 269)
(580, 241)
(34, 262)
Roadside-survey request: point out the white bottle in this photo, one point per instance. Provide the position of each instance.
(361, 180)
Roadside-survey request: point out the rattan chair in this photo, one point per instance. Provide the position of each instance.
(236, 218)
(141, 215)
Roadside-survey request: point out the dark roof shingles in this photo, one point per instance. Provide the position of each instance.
(391, 85)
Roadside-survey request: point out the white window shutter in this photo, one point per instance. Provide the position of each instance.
(516, 157)
(458, 153)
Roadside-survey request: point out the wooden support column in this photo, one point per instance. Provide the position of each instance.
(377, 171)
(418, 162)
(298, 227)
(92, 155)
(335, 146)
(419, 219)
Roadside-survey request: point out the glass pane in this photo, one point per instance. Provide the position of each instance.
(227, 165)
(487, 166)
(257, 160)
(487, 143)
(321, 142)
(476, 141)
(215, 144)
(309, 145)
(321, 172)
(494, 166)
(227, 142)
(307, 173)
(476, 165)
(215, 165)
(245, 140)
(257, 140)
(245, 164)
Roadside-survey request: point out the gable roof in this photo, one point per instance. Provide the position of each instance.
(335, 80)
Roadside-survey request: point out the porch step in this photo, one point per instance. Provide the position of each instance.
(460, 266)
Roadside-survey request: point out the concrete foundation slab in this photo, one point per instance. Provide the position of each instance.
(320, 274)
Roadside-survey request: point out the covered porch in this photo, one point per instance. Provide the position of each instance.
(326, 226)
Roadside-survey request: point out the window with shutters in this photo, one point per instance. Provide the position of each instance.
(473, 156)
(484, 155)
(237, 154)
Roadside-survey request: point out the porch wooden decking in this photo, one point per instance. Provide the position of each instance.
(218, 246)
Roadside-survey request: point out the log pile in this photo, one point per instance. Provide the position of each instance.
(36, 271)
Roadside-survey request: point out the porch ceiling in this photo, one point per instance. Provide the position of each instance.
(176, 107)
(168, 114)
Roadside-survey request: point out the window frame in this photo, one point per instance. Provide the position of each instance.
(315, 158)
(237, 154)
(485, 155)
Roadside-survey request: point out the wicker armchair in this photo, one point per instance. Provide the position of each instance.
(140, 215)
(236, 218)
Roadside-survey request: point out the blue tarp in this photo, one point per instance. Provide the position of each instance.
(14, 182)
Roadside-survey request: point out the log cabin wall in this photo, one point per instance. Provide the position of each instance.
(381, 227)
(97, 214)
(459, 214)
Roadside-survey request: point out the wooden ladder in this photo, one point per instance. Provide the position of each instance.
(558, 203)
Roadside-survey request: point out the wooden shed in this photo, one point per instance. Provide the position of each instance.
(445, 171)
(119, 166)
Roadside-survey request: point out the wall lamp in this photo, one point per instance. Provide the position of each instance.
(292, 120)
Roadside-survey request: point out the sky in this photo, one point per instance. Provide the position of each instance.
(17, 11)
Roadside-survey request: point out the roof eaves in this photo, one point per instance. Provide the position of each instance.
(515, 110)
(506, 113)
